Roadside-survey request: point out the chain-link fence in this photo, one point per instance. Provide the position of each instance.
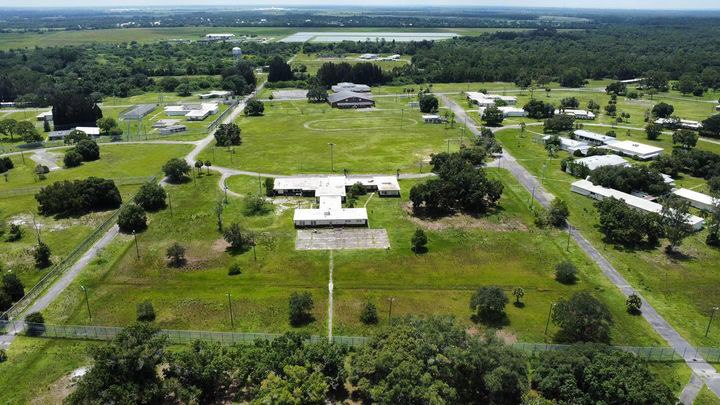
(658, 354)
(65, 263)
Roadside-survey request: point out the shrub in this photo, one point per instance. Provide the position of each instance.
(132, 218)
(566, 273)
(3, 356)
(255, 205)
(176, 255)
(558, 212)
(145, 312)
(369, 315)
(633, 303)
(6, 164)
(78, 197)
(176, 170)
(72, 159)
(489, 303)
(234, 269)
(13, 287)
(254, 108)
(238, 238)
(419, 241)
(15, 233)
(269, 186)
(42, 254)
(151, 197)
(88, 149)
(300, 306)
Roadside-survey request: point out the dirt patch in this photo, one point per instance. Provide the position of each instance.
(56, 392)
(506, 337)
(464, 221)
(220, 245)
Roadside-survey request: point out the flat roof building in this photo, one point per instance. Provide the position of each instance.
(164, 123)
(698, 200)
(594, 162)
(349, 99)
(346, 86)
(216, 94)
(570, 145)
(58, 135)
(172, 129)
(90, 131)
(592, 138)
(368, 56)
(679, 123)
(507, 111)
(599, 193)
(637, 150)
(487, 100)
(434, 119)
(139, 111)
(219, 37)
(45, 116)
(577, 114)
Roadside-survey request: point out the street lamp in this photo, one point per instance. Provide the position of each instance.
(332, 162)
(87, 302)
(548, 318)
(712, 314)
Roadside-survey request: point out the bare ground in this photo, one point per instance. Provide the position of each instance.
(464, 221)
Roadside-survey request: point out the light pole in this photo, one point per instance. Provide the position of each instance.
(402, 117)
(712, 315)
(137, 249)
(390, 310)
(548, 318)
(232, 320)
(170, 205)
(332, 161)
(87, 302)
(569, 233)
(226, 201)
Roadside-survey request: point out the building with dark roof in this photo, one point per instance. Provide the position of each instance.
(349, 99)
(139, 111)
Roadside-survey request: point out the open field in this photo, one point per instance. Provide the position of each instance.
(313, 62)
(678, 289)
(460, 259)
(145, 35)
(62, 235)
(293, 137)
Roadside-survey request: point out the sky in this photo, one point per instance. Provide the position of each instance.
(605, 4)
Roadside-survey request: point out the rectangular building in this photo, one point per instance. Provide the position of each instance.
(577, 114)
(139, 111)
(639, 151)
(599, 193)
(45, 116)
(434, 119)
(593, 138)
(172, 129)
(679, 123)
(349, 99)
(570, 145)
(698, 200)
(219, 37)
(594, 162)
(216, 94)
(347, 86)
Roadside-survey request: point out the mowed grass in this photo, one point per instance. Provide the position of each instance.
(294, 137)
(62, 235)
(681, 290)
(34, 365)
(494, 251)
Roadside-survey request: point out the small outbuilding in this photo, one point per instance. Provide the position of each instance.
(173, 129)
(349, 99)
(45, 116)
(434, 119)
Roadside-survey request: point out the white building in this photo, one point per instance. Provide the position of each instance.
(487, 100)
(45, 116)
(685, 124)
(510, 100)
(329, 192)
(594, 162)
(216, 94)
(219, 37)
(164, 123)
(577, 114)
(434, 119)
(698, 200)
(507, 111)
(355, 88)
(593, 138)
(192, 112)
(639, 151)
(90, 131)
(588, 189)
(368, 56)
(570, 145)
(197, 115)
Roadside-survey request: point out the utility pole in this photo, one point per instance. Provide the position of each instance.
(170, 205)
(87, 302)
(390, 310)
(226, 201)
(402, 117)
(232, 320)
(37, 230)
(137, 249)
(569, 233)
(332, 161)
(259, 185)
(548, 318)
(712, 315)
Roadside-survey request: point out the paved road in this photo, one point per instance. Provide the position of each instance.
(681, 346)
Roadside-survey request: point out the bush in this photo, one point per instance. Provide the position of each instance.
(35, 324)
(489, 304)
(300, 306)
(419, 241)
(3, 356)
(132, 218)
(42, 254)
(72, 159)
(254, 108)
(151, 197)
(234, 269)
(238, 238)
(6, 164)
(176, 170)
(369, 315)
(566, 273)
(269, 186)
(13, 287)
(176, 255)
(255, 205)
(78, 197)
(558, 213)
(145, 312)
(15, 233)
(88, 149)
(634, 303)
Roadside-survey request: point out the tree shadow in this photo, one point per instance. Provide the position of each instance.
(519, 304)
(678, 256)
(496, 322)
(419, 250)
(183, 180)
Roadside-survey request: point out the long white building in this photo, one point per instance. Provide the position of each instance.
(698, 200)
(599, 193)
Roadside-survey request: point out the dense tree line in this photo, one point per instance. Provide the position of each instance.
(415, 360)
(630, 178)
(78, 197)
(368, 73)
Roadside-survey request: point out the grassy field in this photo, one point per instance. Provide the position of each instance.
(293, 137)
(313, 61)
(706, 397)
(491, 250)
(62, 235)
(678, 289)
(145, 35)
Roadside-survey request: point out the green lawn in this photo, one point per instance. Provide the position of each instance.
(62, 235)
(294, 137)
(493, 250)
(678, 289)
(706, 397)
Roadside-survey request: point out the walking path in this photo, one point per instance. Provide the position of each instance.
(681, 346)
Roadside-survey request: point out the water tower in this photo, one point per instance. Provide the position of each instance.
(237, 53)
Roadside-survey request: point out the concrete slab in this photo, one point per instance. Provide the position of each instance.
(289, 94)
(346, 238)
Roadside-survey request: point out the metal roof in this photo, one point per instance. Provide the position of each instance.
(333, 98)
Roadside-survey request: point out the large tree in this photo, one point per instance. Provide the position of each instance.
(582, 318)
(73, 107)
(228, 135)
(279, 70)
